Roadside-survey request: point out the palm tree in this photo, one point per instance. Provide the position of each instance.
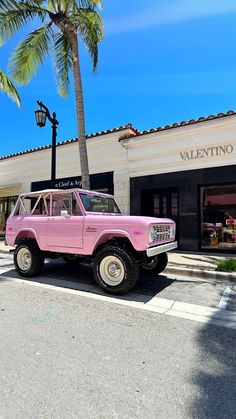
(63, 22)
(7, 87)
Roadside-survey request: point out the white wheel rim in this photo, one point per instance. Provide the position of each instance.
(24, 259)
(112, 270)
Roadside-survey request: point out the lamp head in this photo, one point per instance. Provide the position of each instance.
(40, 116)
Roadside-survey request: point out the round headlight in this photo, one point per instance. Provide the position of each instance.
(152, 234)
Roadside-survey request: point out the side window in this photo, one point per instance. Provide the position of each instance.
(47, 206)
(58, 204)
(19, 210)
(65, 202)
(33, 205)
(75, 207)
(39, 208)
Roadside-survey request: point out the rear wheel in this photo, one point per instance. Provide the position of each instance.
(115, 269)
(28, 258)
(155, 265)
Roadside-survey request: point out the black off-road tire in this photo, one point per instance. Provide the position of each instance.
(155, 265)
(120, 259)
(73, 260)
(30, 250)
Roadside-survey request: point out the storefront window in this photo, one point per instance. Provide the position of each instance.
(6, 206)
(218, 217)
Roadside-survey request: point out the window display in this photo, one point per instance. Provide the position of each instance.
(6, 206)
(218, 217)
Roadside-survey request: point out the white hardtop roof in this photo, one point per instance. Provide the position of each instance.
(48, 191)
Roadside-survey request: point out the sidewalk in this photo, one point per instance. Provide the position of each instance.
(3, 247)
(199, 261)
(198, 265)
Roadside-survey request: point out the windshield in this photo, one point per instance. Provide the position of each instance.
(99, 204)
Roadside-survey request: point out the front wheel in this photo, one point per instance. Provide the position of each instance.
(155, 265)
(28, 258)
(115, 269)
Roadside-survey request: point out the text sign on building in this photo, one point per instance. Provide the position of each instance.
(201, 153)
(71, 183)
(99, 181)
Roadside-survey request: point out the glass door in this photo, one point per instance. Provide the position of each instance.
(165, 204)
(161, 203)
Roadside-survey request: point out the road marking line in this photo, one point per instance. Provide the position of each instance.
(193, 312)
(225, 297)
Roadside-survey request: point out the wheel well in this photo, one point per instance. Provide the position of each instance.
(122, 242)
(25, 235)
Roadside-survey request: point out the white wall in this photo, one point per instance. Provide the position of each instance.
(160, 152)
(139, 156)
(105, 154)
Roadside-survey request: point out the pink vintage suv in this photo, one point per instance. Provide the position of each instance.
(76, 223)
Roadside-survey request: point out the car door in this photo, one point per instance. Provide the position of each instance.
(65, 226)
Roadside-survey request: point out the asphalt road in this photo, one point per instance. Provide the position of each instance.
(198, 291)
(66, 355)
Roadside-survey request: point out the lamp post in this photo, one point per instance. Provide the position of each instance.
(41, 115)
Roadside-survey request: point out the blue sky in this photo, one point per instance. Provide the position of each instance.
(161, 61)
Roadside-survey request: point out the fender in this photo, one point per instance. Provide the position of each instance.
(109, 234)
(27, 233)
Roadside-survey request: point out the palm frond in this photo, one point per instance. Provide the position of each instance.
(7, 87)
(97, 3)
(90, 27)
(85, 4)
(63, 62)
(73, 6)
(53, 5)
(15, 15)
(29, 54)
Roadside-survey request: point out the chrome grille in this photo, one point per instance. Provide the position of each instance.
(161, 232)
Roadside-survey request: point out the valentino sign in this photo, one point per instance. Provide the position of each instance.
(201, 153)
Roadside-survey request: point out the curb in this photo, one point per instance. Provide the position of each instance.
(7, 252)
(172, 270)
(198, 273)
(194, 312)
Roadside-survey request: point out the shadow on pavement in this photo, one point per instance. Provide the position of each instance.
(215, 376)
(61, 275)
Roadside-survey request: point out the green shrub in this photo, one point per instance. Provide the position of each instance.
(227, 265)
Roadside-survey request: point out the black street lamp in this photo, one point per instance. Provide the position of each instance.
(41, 115)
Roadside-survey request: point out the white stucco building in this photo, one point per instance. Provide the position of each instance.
(185, 171)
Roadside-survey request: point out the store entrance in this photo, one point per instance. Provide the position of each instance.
(6, 206)
(162, 203)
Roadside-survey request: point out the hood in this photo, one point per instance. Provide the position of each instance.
(125, 220)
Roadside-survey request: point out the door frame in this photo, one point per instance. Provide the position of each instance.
(147, 203)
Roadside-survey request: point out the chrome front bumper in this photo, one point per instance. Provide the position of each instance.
(161, 249)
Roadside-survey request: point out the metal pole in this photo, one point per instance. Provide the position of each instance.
(53, 164)
(54, 122)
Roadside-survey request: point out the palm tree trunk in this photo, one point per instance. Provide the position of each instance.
(66, 26)
(80, 113)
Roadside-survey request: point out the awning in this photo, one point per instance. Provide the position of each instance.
(222, 200)
(10, 190)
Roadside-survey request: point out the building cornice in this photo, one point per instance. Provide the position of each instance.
(73, 140)
(136, 134)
